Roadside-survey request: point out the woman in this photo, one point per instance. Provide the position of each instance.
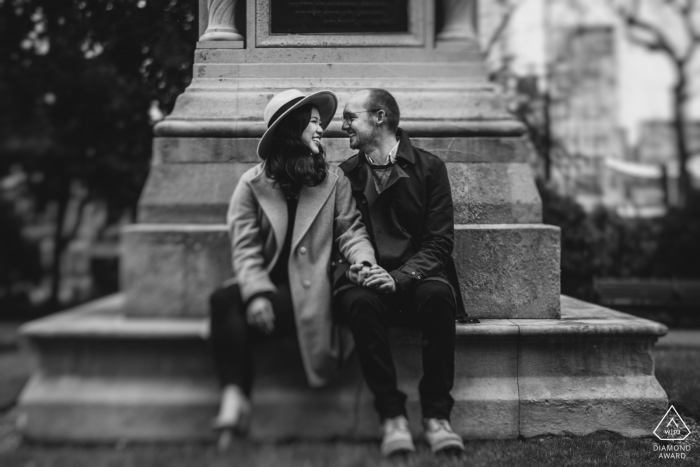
(286, 216)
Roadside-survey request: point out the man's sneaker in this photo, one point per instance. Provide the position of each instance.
(397, 438)
(440, 436)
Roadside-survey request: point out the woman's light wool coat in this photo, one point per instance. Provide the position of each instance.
(326, 213)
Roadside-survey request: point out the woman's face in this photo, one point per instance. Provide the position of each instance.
(313, 132)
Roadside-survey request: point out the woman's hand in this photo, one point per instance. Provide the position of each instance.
(380, 279)
(358, 272)
(259, 314)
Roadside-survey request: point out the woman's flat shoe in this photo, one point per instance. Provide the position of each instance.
(238, 426)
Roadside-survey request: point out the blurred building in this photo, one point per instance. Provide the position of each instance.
(657, 142)
(583, 88)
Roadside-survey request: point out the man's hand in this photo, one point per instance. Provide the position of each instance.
(380, 279)
(259, 314)
(358, 272)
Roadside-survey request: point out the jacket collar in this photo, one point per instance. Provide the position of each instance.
(405, 148)
(274, 205)
(359, 161)
(405, 152)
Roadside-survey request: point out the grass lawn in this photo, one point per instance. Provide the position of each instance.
(677, 370)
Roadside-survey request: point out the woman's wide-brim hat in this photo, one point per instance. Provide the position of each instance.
(285, 102)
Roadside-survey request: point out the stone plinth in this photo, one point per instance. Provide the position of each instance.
(107, 377)
(507, 270)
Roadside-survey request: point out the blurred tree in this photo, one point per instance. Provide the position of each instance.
(20, 262)
(678, 40)
(81, 84)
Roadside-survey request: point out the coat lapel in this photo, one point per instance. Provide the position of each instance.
(274, 205)
(396, 173)
(311, 200)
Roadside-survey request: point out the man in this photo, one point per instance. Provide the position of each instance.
(404, 196)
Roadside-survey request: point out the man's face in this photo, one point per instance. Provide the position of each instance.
(358, 123)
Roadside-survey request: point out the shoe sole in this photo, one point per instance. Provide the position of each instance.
(398, 447)
(448, 446)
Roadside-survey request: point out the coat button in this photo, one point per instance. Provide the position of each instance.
(306, 284)
(302, 250)
(413, 273)
(364, 201)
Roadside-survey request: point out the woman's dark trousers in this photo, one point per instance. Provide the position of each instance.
(429, 306)
(232, 338)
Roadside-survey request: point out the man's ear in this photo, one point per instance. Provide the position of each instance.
(381, 117)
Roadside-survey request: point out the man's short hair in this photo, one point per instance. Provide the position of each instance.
(381, 99)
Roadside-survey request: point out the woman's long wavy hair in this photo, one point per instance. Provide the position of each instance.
(290, 162)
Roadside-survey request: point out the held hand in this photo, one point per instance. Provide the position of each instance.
(358, 273)
(380, 279)
(260, 315)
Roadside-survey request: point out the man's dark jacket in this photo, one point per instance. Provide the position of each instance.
(411, 223)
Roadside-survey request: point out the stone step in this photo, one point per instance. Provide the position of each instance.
(506, 270)
(341, 74)
(199, 193)
(104, 377)
(219, 97)
(173, 150)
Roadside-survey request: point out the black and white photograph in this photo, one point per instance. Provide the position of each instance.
(348, 233)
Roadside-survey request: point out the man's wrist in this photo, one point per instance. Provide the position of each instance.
(402, 279)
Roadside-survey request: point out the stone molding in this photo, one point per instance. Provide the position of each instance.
(458, 21)
(255, 129)
(220, 26)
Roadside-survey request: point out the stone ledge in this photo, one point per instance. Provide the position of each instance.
(107, 410)
(221, 128)
(106, 318)
(98, 383)
(173, 150)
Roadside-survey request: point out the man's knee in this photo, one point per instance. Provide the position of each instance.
(358, 303)
(435, 296)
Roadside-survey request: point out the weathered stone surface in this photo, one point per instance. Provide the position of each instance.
(83, 409)
(508, 271)
(199, 193)
(460, 106)
(467, 53)
(170, 270)
(202, 150)
(494, 194)
(591, 370)
(189, 193)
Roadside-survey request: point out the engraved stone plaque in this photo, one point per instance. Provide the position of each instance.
(338, 16)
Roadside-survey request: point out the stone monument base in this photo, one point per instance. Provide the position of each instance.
(106, 377)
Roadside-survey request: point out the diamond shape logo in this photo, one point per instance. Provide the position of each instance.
(671, 427)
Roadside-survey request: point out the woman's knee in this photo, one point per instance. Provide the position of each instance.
(223, 301)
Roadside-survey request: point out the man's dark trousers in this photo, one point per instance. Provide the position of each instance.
(430, 305)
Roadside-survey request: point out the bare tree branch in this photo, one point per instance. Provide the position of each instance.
(658, 41)
(502, 25)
